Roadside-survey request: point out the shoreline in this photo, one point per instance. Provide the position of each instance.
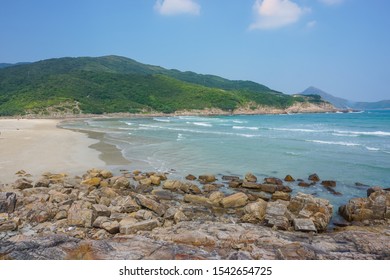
(39, 145)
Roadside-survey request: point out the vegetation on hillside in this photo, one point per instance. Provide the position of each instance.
(113, 84)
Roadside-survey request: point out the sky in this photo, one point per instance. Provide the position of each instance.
(339, 46)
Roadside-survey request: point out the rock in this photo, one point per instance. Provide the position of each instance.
(317, 209)
(373, 189)
(110, 226)
(275, 215)
(332, 191)
(80, 214)
(230, 178)
(106, 174)
(329, 183)
(273, 181)
(255, 211)
(126, 204)
(269, 188)
(62, 214)
(42, 183)
(93, 182)
(180, 217)
(172, 185)
(314, 177)
(22, 184)
(207, 178)
(8, 226)
(303, 184)
(121, 183)
(250, 185)
(146, 181)
(210, 188)
(197, 199)
(101, 210)
(156, 207)
(163, 195)
(235, 200)
(375, 207)
(155, 180)
(249, 177)
(235, 184)
(144, 215)
(194, 238)
(289, 178)
(306, 225)
(99, 221)
(281, 195)
(194, 189)
(131, 226)
(216, 197)
(7, 202)
(240, 255)
(190, 177)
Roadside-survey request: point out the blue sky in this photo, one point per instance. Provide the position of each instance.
(340, 46)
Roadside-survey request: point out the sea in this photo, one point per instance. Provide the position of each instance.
(349, 148)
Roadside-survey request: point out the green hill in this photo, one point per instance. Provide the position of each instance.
(112, 84)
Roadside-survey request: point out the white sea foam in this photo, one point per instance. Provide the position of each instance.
(162, 120)
(333, 143)
(365, 133)
(372, 148)
(299, 130)
(344, 135)
(202, 124)
(237, 121)
(246, 127)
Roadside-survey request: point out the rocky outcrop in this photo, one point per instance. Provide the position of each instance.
(374, 207)
(76, 218)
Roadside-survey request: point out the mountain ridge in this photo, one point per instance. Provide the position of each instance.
(342, 103)
(115, 84)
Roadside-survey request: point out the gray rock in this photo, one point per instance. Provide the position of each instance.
(305, 225)
(7, 202)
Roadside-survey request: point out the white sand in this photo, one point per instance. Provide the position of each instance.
(38, 146)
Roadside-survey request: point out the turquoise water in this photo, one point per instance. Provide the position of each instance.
(348, 148)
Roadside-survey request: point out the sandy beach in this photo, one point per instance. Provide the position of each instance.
(39, 146)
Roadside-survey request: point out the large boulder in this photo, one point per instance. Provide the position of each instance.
(7, 202)
(151, 204)
(80, 214)
(22, 184)
(374, 207)
(255, 211)
(197, 199)
(276, 215)
(235, 200)
(317, 209)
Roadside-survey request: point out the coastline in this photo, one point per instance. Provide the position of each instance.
(39, 145)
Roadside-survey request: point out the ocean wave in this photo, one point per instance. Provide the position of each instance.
(246, 127)
(333, 143)
(299, 130)
(202, 124)
(364, 133)
(162, 120)
(237, 121)
(372, 148)
(156, 127)
(344, 135)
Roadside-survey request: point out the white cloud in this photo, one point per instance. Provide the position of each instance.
(331, 2)
(176, 7)
(271, 14)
